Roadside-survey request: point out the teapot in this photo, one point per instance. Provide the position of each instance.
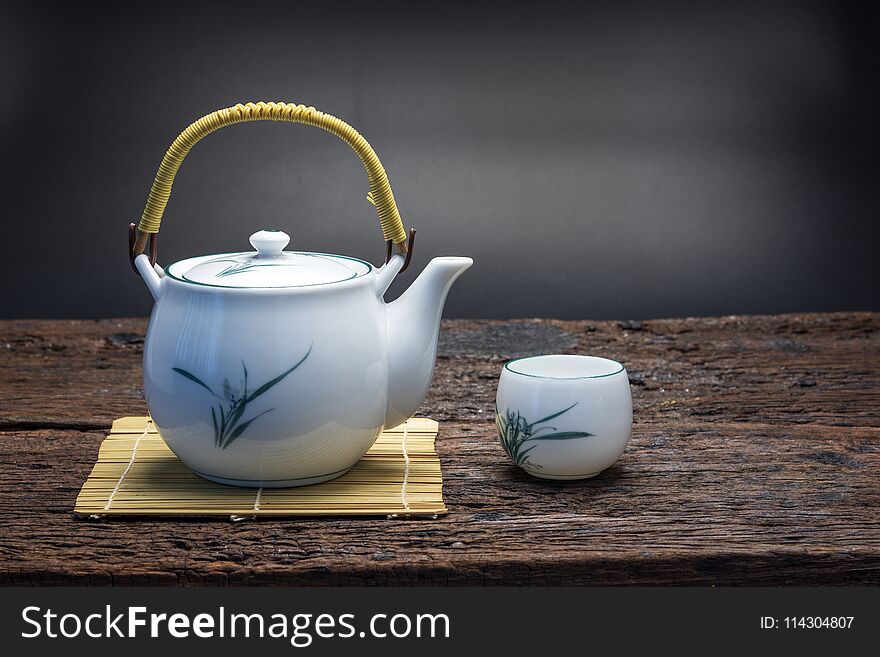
(273, 367)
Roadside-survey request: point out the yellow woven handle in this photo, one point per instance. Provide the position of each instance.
(380, 190)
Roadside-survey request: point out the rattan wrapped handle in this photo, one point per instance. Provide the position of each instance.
(380, 190)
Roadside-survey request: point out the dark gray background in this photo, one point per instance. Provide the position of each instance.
(623, 160)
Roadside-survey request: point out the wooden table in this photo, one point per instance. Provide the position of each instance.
(754, 460)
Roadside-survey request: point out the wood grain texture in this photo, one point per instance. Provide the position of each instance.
(754, 460)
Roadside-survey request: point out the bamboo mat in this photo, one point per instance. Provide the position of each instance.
(137, 475)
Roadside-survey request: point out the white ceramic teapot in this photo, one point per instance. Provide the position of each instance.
(280, 368)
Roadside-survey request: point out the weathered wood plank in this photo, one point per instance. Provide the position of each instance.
(670, 501)
(820, 368)
(754, 460)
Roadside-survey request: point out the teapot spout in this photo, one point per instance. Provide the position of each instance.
(413, 329)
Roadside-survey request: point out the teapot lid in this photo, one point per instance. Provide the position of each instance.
(270, 267)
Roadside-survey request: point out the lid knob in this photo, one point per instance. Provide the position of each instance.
(269, 243)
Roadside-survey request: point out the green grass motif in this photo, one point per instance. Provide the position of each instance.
(515, 432)
(239, 267)
(228, 422)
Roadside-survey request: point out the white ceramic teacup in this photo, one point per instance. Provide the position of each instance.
(563, 416)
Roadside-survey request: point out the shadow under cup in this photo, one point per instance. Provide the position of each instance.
(563, 416)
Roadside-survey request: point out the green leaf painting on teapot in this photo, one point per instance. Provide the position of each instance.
(230, 417)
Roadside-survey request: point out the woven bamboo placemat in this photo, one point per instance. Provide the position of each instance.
(137, 475)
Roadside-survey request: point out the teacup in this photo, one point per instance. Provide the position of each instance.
(563, 416)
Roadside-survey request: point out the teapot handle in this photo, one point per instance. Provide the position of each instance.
(380, 190)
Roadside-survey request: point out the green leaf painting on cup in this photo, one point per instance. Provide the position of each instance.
(519, 436)
(228, 416)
